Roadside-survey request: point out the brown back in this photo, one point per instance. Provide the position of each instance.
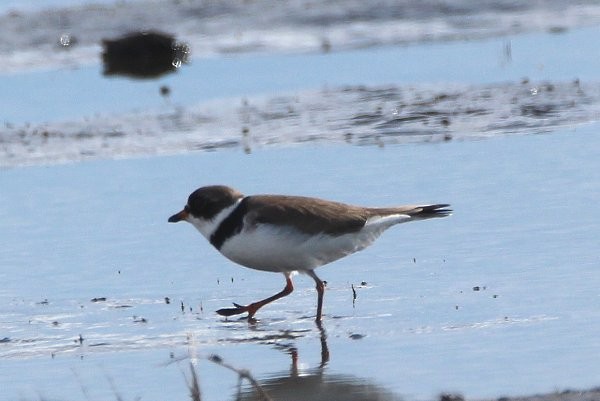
(309, 215)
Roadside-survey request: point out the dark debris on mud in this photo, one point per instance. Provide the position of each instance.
(357, 115)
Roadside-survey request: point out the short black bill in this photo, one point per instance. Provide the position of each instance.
(179, 216)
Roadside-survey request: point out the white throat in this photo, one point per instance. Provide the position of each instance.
(208, 227)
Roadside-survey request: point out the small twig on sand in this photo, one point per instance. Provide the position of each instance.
(242, 374)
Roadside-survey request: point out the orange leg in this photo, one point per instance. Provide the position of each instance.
(255, 306)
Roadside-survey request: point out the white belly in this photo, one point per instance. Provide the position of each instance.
(283, 249)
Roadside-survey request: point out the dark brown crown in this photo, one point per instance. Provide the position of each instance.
(207, 202)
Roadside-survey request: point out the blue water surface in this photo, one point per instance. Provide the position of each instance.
(499, 299)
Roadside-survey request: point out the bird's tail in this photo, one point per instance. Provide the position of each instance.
(430, 211)
(413, 212)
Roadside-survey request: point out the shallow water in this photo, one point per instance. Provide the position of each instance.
(31, 35)
(523, 232)
(63, 116)
(75, 94)
(102, 299)
(357, 115)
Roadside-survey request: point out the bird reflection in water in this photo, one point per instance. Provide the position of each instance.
(315, 384)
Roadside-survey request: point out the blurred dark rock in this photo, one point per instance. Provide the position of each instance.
(143, 55)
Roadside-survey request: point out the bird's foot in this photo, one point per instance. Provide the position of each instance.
(239, 309)
(233, 311)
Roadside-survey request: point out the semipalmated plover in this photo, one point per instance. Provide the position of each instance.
(283, 234)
